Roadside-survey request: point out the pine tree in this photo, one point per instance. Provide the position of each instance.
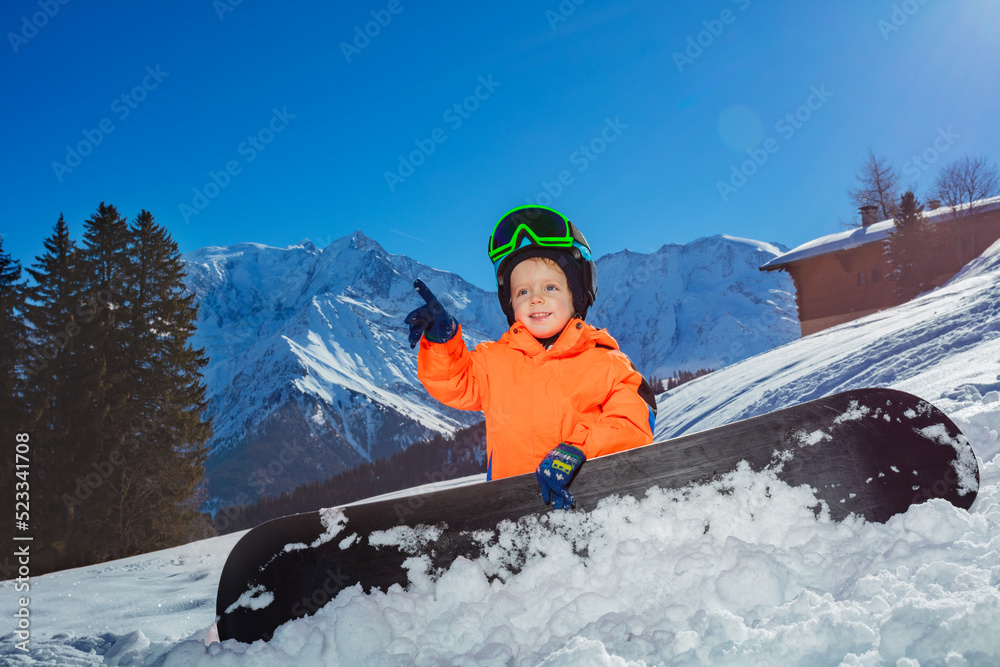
(13, 336)
(99, 380)
(907, 249)
(684, 376)
(116, 393)
(164, 448)
(52, 304)
(13, 340)
(58, 406)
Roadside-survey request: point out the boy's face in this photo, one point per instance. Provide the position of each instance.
(541, 297)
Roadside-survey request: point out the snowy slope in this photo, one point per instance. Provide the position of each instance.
(743, 577)
(902, 347)
(310, 371)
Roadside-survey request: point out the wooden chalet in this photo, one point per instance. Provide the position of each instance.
(844, 276)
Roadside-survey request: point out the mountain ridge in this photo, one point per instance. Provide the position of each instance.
(310, 370)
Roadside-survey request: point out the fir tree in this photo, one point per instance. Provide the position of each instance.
(164, 448)
(13, 337)
(100, 359)
(907, 249)
(52, 305)
(58, 408)
(684, 376)
(13, 340)
(117, 392)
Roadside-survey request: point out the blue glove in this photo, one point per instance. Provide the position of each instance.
(556, 471)
(430, 320)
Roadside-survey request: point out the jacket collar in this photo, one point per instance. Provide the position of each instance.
(576, 337)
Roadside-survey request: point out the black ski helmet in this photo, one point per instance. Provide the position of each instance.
(538, 231)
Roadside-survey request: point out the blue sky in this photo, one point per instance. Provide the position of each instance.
(249, 122)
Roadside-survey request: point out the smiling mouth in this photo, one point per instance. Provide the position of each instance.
(537, 316)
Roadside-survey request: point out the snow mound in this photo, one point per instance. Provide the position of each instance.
(740, 571)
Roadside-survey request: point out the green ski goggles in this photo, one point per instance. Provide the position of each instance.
(530, 225)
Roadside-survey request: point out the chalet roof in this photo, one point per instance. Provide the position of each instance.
(853, 238)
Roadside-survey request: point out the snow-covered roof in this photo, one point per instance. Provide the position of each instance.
(853, 238)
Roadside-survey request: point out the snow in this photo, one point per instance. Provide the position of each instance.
(256, 597)
(737, 572)
(333, 521)
(878, 231)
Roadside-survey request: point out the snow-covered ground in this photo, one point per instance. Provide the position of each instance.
(745, 577)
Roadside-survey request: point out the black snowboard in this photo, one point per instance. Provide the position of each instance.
(870, 452)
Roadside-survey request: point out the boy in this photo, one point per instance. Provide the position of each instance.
(555, 390)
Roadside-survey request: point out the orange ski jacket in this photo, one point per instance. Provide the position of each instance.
(583, 391)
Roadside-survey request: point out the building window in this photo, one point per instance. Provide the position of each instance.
(876, 275)
(861, 278)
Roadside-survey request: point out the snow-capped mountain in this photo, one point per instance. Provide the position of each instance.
(737, 573)
(704, 304)
(311, 373)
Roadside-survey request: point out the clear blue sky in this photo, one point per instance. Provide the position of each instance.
(308, 131)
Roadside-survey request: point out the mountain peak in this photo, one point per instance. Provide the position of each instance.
(355, 241)
(362, 242)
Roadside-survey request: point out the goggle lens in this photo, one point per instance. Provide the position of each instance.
(544, 227)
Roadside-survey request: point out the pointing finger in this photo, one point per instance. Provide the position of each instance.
(422, 289)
